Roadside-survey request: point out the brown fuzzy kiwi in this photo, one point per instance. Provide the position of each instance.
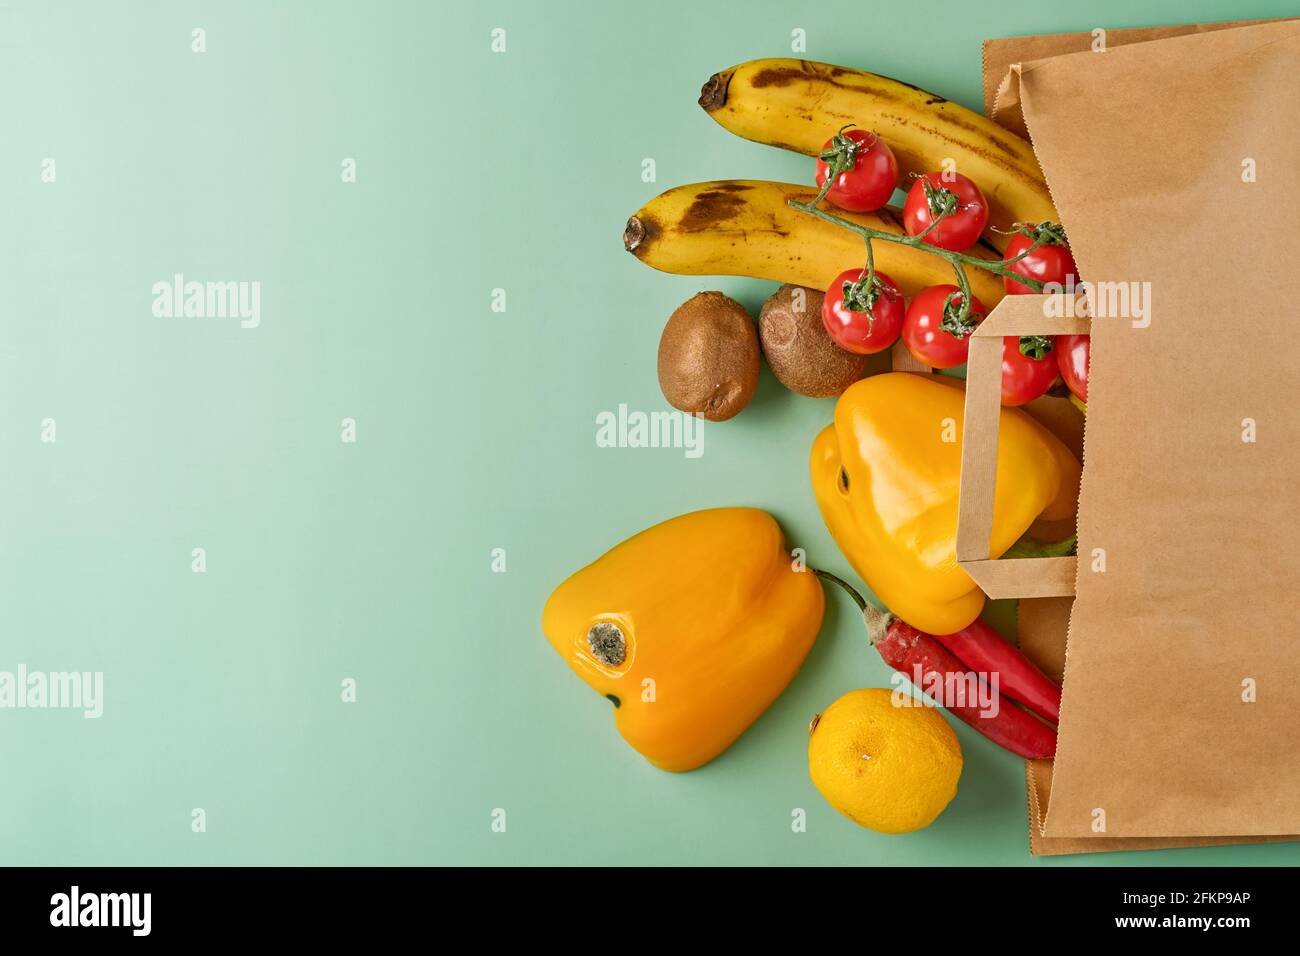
(799, 350)
(708, 357)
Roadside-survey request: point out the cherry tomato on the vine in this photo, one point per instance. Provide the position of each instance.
(1048, 263)
(1072, 353)
(1024, 378)
(964, 211)
(870, 181)
(928, 327)
(849, 324)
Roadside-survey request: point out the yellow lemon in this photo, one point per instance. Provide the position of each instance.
(890, 768)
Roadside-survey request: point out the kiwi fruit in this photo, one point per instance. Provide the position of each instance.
(708, 357)
(799, 350)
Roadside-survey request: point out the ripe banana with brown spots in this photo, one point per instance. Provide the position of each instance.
(799, 104)
(742, 227)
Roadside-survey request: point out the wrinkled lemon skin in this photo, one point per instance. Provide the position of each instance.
(888, 768)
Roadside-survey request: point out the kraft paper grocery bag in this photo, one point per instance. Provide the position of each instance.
(1001, 54)
(1041, 627)
(1181, 675)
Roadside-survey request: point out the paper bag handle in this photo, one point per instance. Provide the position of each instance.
(1018, 577)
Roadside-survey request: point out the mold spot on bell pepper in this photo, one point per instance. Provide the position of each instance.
(886, 475)
(691, 628)
(607, 643)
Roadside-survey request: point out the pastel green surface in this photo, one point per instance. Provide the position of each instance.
(475, 429)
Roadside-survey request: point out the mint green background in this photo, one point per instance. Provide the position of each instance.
(476, 430)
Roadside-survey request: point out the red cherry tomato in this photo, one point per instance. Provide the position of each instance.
(1072, 353)
(852, 329)
(1024, 378)
(923, 327)
(967, 216)
(1047, 263)
(870, 181)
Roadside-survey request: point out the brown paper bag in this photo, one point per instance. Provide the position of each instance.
(1001, 54)
(1158, 745)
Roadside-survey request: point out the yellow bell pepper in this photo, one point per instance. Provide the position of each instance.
(886, 476)
(691, 628)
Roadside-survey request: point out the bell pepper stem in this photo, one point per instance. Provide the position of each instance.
(877, 619)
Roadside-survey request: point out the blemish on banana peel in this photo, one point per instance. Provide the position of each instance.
(785, 76)
(776, 76)
(711, 208)
(1009, 169)
(607, 643)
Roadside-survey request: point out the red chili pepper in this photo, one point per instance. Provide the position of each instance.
(985, 651)
(906, 649)
(925, 662)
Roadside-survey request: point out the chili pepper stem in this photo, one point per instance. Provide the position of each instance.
(877, 620)
(852, 592)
